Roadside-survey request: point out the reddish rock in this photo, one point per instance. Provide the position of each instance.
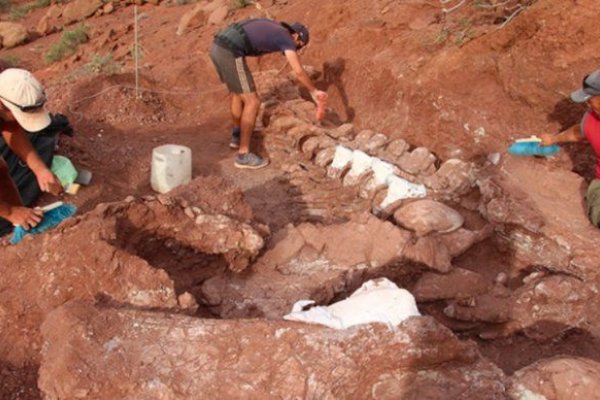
(420, 161)
(458, 283)
(285, 123)
(118, 353)
(324, 157)
(362, 139)
(108, 8)
(210, 6)
(12, 34)
(427, 251)
(307, 262)
(492, 307)
(310, 146)
(455, 178)
(192, 18)
(123, 251)
(437, 251)
(217, 17)
(394, 150)
(428, 216)
(79, 10)
(559, 378)
(545, 307)
(214, 195)
(43, 27)
(54, 11)
(343, 131)
(543, 213)
(375, 143)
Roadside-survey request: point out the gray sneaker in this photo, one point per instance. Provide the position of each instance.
(250, 161)
(235, 139)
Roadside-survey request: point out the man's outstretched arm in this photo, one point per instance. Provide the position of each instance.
(11, 207)
(572, 134)
(301, 74)
(15, 138)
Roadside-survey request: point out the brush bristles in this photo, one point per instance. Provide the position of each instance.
(51, 219)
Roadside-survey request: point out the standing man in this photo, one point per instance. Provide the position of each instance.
(249, 38)
(24, 171)
(589, 129)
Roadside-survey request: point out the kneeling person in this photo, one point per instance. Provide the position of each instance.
(24, 157)
(588, 129)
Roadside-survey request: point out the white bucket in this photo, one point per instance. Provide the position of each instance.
(171, 167)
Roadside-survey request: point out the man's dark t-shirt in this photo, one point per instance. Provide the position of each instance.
(267, 36)
(262, 36)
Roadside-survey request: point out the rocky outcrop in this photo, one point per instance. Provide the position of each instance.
(79, 10)
(195, 16)
(308, 262)
(559, 378)
(457, 284)
(547, 306)
(539, 213)
(12, 34)
(145, 252)
(118, 353)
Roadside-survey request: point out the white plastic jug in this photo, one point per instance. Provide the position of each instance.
(171, 167)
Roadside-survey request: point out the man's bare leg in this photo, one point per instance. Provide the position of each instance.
(236, 109)
(251, 105)
(245, 158)
(236, 115)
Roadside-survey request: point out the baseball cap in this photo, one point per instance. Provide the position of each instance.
(300, 29)
(24, 96)
(589, 87)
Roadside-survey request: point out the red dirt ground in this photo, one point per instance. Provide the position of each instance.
(461, 84)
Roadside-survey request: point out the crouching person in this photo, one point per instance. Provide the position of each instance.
(25, 157)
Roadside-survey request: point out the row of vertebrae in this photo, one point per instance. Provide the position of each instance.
(386, 171)
(389, 177)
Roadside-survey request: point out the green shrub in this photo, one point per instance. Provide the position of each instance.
(17, 12)
(10, 61)
(235, 4)
(67, 44)
(441, 36)
(40, 4)
(137, 51)
(103, 65)
(4, 5)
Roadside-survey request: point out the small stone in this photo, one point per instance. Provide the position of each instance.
(494, 158)
(187, 302)
(188, 211)
(164, 200)
(197, 210)
(533, 276)
(501, 278)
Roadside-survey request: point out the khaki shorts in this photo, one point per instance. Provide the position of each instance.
(233, 71)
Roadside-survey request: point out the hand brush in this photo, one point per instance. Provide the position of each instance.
(532, 147)
(54, 214)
